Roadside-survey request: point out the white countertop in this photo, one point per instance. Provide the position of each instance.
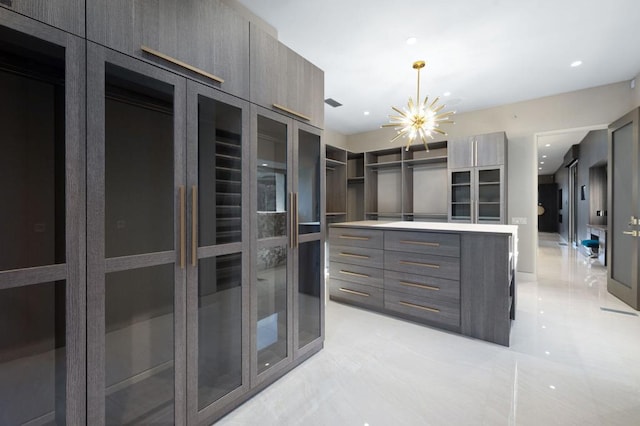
(436, 226)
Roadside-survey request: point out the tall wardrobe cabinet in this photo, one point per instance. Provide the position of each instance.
(162, 229)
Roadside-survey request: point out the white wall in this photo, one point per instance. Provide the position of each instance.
(636, 92)
(334, 138)
(521, 121)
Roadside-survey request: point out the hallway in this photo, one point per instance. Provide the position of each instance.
(574, 360)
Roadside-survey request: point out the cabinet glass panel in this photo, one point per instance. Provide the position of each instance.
(272, 306)
(489, 212)
(32, 164)
(272, 178)
(461, 211)
(309, 293)
(489, 192)
(308, 182)
(219, 327)
(139, 346)
(33, 354)
(219, 172)
(139, 189)
(461, 177)
(461, 194)
(489, 176)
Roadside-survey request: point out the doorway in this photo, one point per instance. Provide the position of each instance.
(573, 204)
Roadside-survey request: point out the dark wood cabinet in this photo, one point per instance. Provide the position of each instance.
(204, 40)
(42, 224)
(67, 15)
(284, 81)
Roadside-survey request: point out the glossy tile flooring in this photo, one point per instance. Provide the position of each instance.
(570, 363)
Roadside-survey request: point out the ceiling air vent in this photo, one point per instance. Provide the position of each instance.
(332, 102)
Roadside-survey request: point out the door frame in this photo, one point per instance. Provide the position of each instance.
(74, 268)
(629, 295)
(97, 264)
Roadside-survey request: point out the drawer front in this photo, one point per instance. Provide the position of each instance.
(366, 238)
(423, 242)
(359, 294)
(423, 264)
(356, 274)
(357, 256)
(422, 286)
(440, 312)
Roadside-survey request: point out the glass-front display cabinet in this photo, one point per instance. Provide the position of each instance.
(42, 240)
(288, 205)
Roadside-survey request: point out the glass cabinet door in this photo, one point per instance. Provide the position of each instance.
(309, 273)
(136, 222)
(489, 194)
(42, 355)
(272, 316)
(461, 196)
(218, 334)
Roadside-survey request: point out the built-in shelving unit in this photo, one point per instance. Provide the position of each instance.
(336, 173)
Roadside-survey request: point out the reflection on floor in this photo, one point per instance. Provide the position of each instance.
(570, 363)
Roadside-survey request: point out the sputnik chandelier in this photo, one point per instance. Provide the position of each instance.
(419, 119)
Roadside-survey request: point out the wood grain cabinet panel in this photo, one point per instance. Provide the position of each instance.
(67, 15)
(282, 78)
(422, 286)
(423, 264)
(365, 238)
(358, 294)
(205, 35)
(430, 310)
(358, 274)
(357, 256)
(423, 242)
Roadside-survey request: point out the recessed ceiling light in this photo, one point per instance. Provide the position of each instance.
(411, 41)
(539, 168)
(446, 94)
(366, 113)
(542, 162)
(576, 64)
(264, 164)
(544, 156)
(548, 144)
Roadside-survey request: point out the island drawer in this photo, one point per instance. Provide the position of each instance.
(366, 238)
(357, 256)
(423, 242)
(359, 294)
(357, 274)
(440, 312)
(422, 286)
(423, 264)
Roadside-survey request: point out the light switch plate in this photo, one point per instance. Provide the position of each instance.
(518, 220)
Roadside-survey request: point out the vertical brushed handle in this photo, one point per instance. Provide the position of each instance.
(297, 223)
(194, 226)
(183, 246)
(291, 229)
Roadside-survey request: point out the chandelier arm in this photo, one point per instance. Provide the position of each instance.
(400, 134)
(434, 102)
(435, 129)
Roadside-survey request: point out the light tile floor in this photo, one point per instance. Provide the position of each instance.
(570, 363)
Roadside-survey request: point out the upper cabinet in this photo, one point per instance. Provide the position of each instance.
(68, 15)
(204, 40)
(475, 151)
(284, 81)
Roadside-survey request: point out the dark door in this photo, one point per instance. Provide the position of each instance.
(548, 207)
(624, 211)
(42, 236)
(136, 224)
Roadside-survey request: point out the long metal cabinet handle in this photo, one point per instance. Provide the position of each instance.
(357, 293)
(291, 220)
(632, 233)
(292, 112)
(180, 63)
(183, 246)
(426, 265)
(420, 243)
(357, 256)
(194, 226)
(296, 231)
(351, 237)
(424, 286)
(354, 274)
(424, 308)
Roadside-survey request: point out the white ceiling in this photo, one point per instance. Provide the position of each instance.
(553, 146)
(485, 52)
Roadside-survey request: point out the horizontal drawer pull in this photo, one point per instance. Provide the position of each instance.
(426, 265)
(357, 256)
(424, 308)
(355, 274)
(181, 64)
(426, 287)
(292, 112)
(351, 237)
(357, 293)
(420, 243)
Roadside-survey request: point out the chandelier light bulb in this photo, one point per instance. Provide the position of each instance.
(420, 119)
